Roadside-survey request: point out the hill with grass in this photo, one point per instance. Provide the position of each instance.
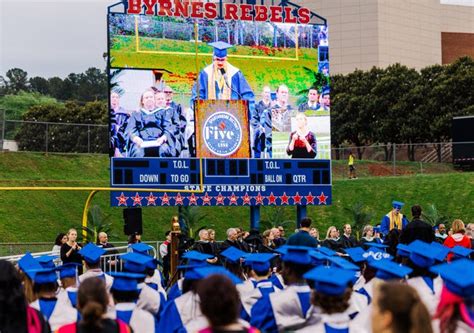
(35, 216)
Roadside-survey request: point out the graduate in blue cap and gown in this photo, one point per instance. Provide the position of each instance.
(125, 293)
(68, 291)
(287, 309)
(260, 271)
(149, 299)
(154, 277)
(91, 254)
(184, 314)
(330, 300)
(426, 283)
(45, 286)
(222, 81)
(456, 305)
(194, 258)
(393, 219)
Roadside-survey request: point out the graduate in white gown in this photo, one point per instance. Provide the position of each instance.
(68, 290)
(125, 293)
(91, 254)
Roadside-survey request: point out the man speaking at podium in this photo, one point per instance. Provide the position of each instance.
(222, 81)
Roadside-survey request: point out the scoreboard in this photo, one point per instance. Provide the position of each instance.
(221, 181)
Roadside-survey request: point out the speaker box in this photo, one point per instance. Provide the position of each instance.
(132, 218)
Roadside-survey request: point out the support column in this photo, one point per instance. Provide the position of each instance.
(254, 217)
(300, 213)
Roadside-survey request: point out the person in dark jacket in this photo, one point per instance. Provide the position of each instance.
(417, 229)
(302, 237)
(347, 240)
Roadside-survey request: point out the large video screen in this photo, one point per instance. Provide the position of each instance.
(163, 66)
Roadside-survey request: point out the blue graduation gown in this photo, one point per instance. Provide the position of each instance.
(175, 290)
(240, 89)
(385, 224)
(283, 310)
(262, 289)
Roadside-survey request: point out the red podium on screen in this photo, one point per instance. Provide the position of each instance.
(222, 129)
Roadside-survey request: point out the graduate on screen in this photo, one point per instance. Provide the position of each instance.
(222, 81)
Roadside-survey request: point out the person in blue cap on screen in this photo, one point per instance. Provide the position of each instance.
(287, 309)
(455, 310)
(125, 292)
(91, 254)
(222, 81)
(394, 219)
(45, 285)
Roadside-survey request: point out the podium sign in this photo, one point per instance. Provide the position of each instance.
(222, 129)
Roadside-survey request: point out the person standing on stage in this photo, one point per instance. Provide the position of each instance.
(393, 219)
(222, 81)
(261, 123)
(350, 163)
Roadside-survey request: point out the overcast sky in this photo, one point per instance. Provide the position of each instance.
(56, 37)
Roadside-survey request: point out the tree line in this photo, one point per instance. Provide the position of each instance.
(396, 104)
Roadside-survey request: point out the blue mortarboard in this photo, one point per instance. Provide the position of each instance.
(135, 262)
(421, 254)
(220, 49)
(67, 270)
(461, 252)
(91, 253)
(356, 254)
(27, 263)
(403, 250)
(196, 258)
(397, 204)
(376, 229)
(441, 251)
(44, 275)
(343, 263)
(325, 91)
(232, 254)
(203, 272)
(259, 261)
(125, 281)
(326, 251)
(297, 254)
(141, 248)
(376, 253)
(388, 270)
(458, 276)
(330, 280)
(317, 257)
(374, 244)
(47, 261)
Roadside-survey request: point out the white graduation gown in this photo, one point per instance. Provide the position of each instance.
(61, 315)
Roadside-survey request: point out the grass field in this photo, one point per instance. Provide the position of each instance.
(258, 72)
(40, 215)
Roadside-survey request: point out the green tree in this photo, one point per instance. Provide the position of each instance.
(16, 80)
(192, 218)
(359, 217)
(39, 84)
(97, 222)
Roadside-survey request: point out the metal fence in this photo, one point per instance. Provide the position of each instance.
(385, 159)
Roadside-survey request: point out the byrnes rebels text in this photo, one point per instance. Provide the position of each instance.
(209, 10)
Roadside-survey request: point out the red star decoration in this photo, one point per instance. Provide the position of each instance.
(272, 199)
(192, 200)
(322, 198)
(297, 198)
(220, 199)
(151, 200)
(246, 199)
(137, 200)
(309, 199)
(284, 199)
(179, 199)
(233, 199)
(259, 199)
(122, 200)
(206, 200)
(165, 200)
